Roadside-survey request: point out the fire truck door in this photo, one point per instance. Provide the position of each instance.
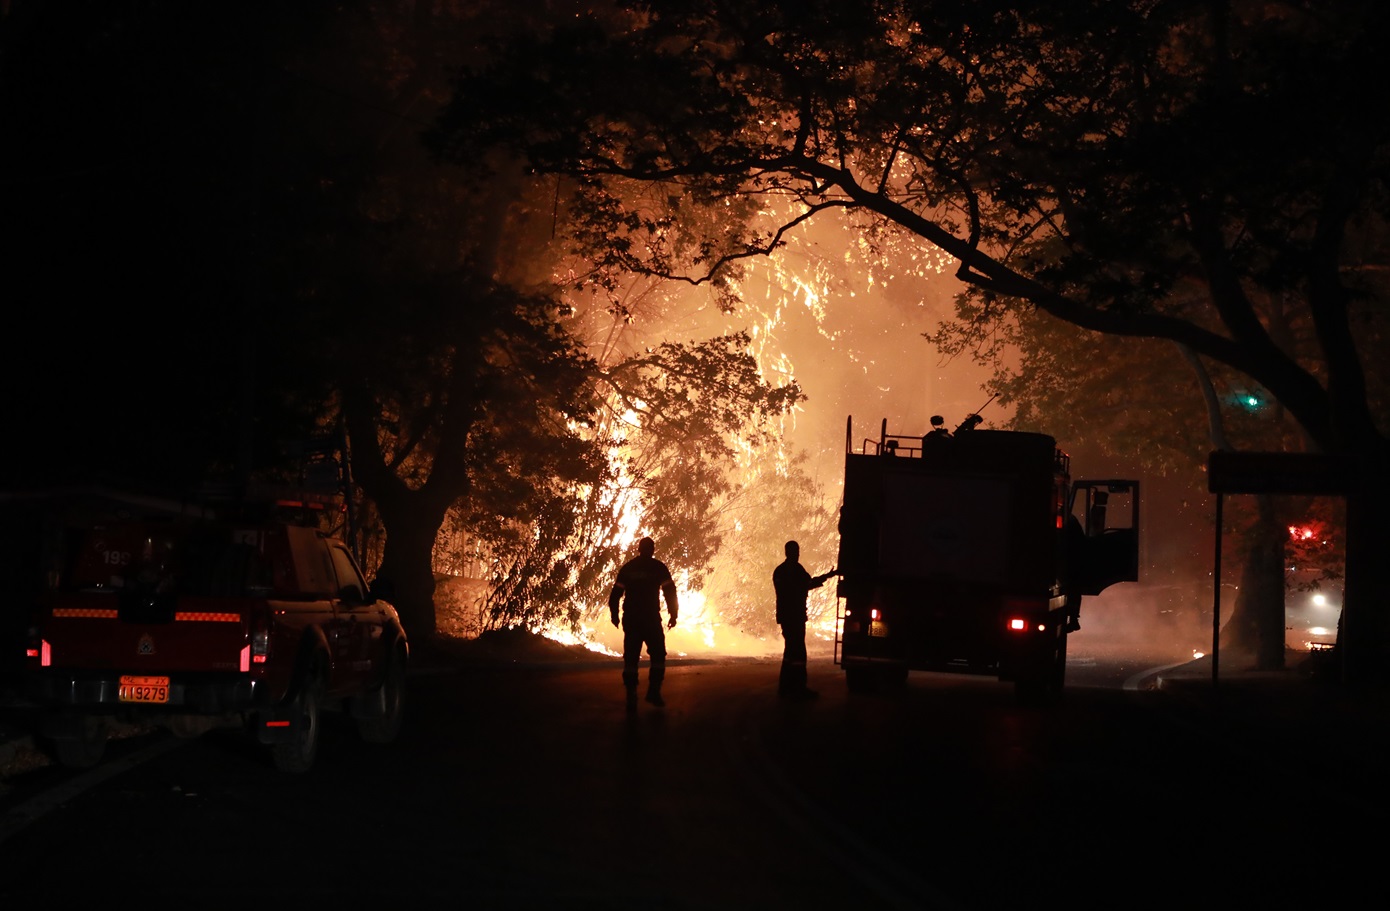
(1108, 511)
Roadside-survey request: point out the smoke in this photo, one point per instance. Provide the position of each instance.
(1155, 624)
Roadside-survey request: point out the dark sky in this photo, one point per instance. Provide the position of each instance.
(127, 217)
(135, 167)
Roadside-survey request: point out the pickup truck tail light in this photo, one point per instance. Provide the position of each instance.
(39, 649)
(257, 650)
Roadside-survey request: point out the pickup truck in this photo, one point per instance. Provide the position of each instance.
(191, 625)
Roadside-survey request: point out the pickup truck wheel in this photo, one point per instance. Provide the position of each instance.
(387, 703)
(297, 754)
(84, 751)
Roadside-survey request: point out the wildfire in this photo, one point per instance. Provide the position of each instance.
(585, 636)
(699, 630)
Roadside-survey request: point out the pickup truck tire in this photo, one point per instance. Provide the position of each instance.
(84, 751)
(379, 711)
(298, 753)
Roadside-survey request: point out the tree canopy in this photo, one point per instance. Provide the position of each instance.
(230, 242)
(1167, 169)
(446, 333)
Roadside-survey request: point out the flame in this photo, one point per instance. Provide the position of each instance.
(585, 636)
(698, 630)
(790, 296)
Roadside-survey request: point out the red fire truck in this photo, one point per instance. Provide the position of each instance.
(970, 552)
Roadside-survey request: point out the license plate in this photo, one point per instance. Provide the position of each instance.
(878, 628)
(135, 688)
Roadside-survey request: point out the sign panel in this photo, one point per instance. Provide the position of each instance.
(1279, 472)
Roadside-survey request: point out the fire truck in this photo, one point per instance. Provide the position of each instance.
(970, 552)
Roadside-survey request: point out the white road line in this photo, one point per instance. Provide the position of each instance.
(887, 885)
(17, 818)
(1133, 683)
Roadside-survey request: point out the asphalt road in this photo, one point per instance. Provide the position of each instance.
(531, 786)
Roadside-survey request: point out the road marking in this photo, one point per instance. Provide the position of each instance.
(890, 885)
(1133, 683)
(36, 807)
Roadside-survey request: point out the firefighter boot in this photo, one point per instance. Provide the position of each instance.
(632, 697)
(654, 678)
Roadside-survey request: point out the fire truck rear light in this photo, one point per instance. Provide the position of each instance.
(875, 614)
(1018, 624)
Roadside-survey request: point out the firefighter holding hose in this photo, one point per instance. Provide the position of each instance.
(792, 583)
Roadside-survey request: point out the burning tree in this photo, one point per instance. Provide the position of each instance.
(1171, 170)
(445, 317)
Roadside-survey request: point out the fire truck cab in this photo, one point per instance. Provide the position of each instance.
(970, 552)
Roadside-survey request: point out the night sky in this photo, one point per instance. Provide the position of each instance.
(128, 218)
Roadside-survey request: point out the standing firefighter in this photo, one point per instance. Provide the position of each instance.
(639, 587)
(792, 582)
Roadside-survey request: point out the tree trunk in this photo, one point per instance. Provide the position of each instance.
(411, 520)
(1363, 636)
(1256, 627)
(410, 517)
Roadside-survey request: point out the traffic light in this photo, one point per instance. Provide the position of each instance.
(1251, 400)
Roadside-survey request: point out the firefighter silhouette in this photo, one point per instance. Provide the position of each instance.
(638, 589)
(938, 429)
(792, 582)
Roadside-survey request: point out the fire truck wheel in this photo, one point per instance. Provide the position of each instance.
(85, 750)
(379, 715)
(297, 754)
(861, 679)
(894, 678)
(1059, 666)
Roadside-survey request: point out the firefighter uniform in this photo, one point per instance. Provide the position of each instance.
(638, 589)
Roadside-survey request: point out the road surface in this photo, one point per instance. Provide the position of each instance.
(533, 787)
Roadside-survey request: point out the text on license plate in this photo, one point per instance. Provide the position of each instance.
(878, 628)
(138, 688)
